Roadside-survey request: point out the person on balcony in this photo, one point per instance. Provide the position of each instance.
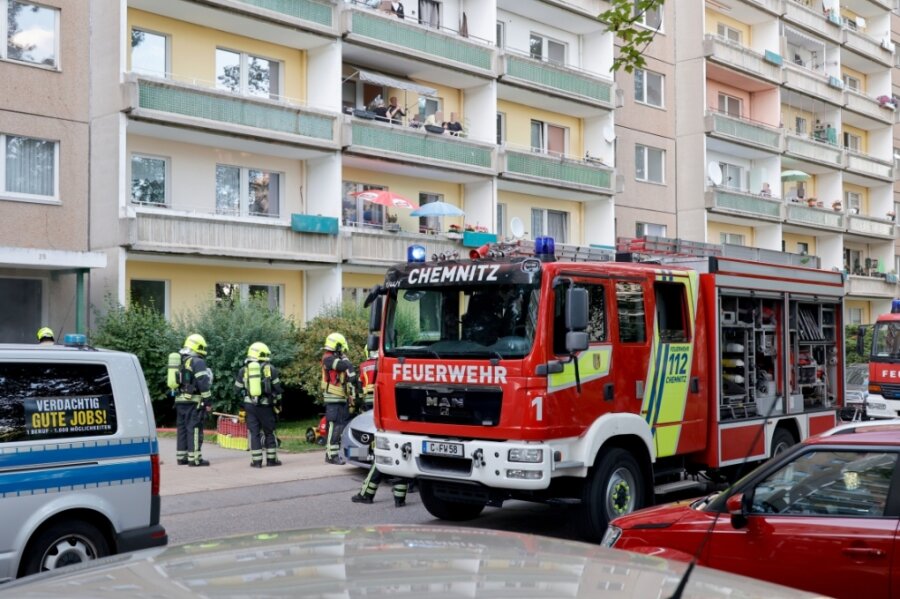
(394, 112)
(453, 126)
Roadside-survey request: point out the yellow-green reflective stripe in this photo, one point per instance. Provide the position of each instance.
(593, 363)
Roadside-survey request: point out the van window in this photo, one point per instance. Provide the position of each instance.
(55, 401)
(670, 312)
(630, 304)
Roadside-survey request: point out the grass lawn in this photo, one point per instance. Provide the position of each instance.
(292, 434)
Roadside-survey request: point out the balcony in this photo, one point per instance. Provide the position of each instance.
(320, 13)
(175, 103)
(812, 20)
(813, 150)
(743, 131)
(383, 140)
(558, 171)
(230, 237)
(372, 247)
(568, 82)
(868, 47)
(869, 166)
(870, 227)
(407, 39)
(813, 83)
(870, 287)
(821, 218)
(869, 106)
(742, 59)
(741, 203)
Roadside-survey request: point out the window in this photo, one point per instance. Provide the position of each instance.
(729, 33)
(828, 483)
(24, 417)
(149, 53)
(852, 201)
(148, 180)
(852, 142)
(671, 312)
(803, 248)
(247, 192)
(501, 34)
(630, 305)
(429, 224)
(428, 107)
(270, 295)
(855, 315)
(648, 87)
(21, 309)
(357, 211)
(730, 105)
(243, 73)
(430, 13)
(851, 82)
(501, 128)
(149, 294)
(801, 125)
(29, 169)
(649, 164)
(32, 33)
(732, 175)
(732, 238)
(551, 223)
(501, 220)
(597, 330)
(645, 229)
(548, 138)
(357, 295)
(853, 261)
(542, 48)
(649, 18)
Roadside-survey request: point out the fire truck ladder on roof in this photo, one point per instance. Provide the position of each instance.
(563, 252)
(664, 249)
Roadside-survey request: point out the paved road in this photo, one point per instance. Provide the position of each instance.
(230, 498)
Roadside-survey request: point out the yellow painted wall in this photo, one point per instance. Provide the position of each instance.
(791, 240)
(861, 133)
(518, 125)
(863, 196)
(715, 228)
(366, 281)
(193, 51)
(863, 305)
(409, 188)
(520, 204)
(714, 18)
(191, 285)
(863, 84)
(789, 116)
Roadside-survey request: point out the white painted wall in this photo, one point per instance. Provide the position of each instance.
(480, 109)
(768, 236)
(322, 287)
(480, 204)
(324, 76)
(830, 248)
(323, 190)
(599, 223)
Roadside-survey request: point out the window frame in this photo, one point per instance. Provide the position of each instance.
(640, 229)
(167, 187)
(644, 87)
(724, 101)
(641, 19)
(646, 156)
(432, 224)
(501, 128)
(244, 193)
(724, 31)
(545, 222)
(847, 79)
(545, 131)
(243, 86)
(728, 237)
(4, 36)
(244, 292)
(166, 74)
(619, 295)
(500, 34)
(852, 199)
(726, 168)
(29, 197)
(359, 208)
(166, 293)
(850, 139)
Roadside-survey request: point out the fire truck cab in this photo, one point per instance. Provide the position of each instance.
(598, 378)
(884, 363)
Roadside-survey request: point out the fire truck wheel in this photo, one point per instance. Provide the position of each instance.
(782, 440)
(614, 487)
(454, 511)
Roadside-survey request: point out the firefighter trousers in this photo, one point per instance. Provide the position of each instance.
(374, 479)
(260, 417)
(189, 423)
(336, 415)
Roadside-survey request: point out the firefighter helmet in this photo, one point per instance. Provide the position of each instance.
(196, 343)
(259, 351)
(335, 342)
(45, 333)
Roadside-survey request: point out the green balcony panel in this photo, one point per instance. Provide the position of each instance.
(536, 165)
(440, 45)
(750, 132)
(421, 145)
(561, 79)
(309, 223)
(813, 216)
(748, 203)
(235, 111)
(307, 10)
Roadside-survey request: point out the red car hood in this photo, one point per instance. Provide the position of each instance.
(656, 517)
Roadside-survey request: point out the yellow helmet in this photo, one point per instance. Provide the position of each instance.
(259, 351)
(45, 333)
(335, 342)
(196, 343)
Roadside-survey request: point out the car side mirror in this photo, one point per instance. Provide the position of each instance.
(737, 509)
(375, 314)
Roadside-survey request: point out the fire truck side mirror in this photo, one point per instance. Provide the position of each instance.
(576, 341)
(861, 341)
(576, 309)
(372, 342)
(375, 314)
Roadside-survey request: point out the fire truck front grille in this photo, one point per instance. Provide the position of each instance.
(890, 391)
(464, 405)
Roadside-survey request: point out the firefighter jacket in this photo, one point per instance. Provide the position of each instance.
(367, 374)
(267, 391)
(339, 378)
(196, 381)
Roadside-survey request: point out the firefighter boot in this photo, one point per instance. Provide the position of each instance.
(183, 462)
(399, 501)
(256, 464)
(359, 498)
(335, 459)
(200, 462)
(273, 462)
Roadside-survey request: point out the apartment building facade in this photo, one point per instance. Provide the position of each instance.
(232, 137)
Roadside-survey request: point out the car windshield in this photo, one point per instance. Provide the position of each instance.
(478, 321)
(858, 376)
(886, 342)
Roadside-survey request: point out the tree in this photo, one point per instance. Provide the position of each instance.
(626, 19)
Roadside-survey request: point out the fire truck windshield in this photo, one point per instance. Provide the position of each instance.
(886, 342)
(476, 321)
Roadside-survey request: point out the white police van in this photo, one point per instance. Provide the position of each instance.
(79, 458)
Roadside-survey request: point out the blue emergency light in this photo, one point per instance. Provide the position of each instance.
(545, 249)
(75, 340)
(895, 306)
(415, 253)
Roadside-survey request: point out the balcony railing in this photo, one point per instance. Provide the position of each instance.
(869, 165)
(208, 235)
(742, 58)
(742, 203)
(559, 171)
(810, 149)
(869, 106)
(405, 37)
(813, 83)
(367, 247)
(567, 81)
(816, 217)
(813, 20)
(744, 131)
(418, 146)
(870, 287)
(321, 13)
(866, 225)
(865, 45)
(193, 106)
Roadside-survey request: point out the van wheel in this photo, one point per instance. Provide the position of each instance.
(614, 487)
(782, 440)
(310, 436)
(454, 511)
(63, 544)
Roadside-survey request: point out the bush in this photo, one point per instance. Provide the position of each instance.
(850, 344)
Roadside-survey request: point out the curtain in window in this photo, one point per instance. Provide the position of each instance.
(263, 193)
(29, 166)
(558, 225)
(556, 140)
(537, 223)
(430, 13)
(537, 136)
(228, 190)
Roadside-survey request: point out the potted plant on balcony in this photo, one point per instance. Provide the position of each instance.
(454, 232)
(391, 222)
(886, 102)
(811, 202)
(836, 205)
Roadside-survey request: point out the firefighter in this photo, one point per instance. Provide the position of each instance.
(367, 371)
(45, 336)
(192, 401)
(339, 387)
(370, 487)
(260, 386)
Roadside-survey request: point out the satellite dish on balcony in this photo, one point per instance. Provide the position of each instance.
(714, 172)
(517, 227)
(609, 134)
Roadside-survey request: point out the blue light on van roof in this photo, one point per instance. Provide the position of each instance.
(415, 253)
(545, 248)
(75, 340)
(895, 306)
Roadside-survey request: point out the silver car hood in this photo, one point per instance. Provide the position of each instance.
(388, 561)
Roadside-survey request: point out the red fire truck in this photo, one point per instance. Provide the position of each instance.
(884, 364)
(599, 378)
